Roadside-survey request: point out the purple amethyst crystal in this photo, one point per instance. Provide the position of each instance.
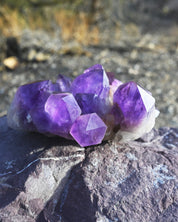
(93, 81)
(95, 106)
(91, 90)
(27, 97)
(63, 110)
(88, 130)
(86, 102)
(114, 86)
(134, 109)
(37, 108)
(90, 103)
(64, 83)
(56, 115)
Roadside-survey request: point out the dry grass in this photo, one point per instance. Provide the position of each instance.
(11, 22)
(74, 26)
(77, 27)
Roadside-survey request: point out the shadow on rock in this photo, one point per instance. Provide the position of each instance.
(75, 203)
(20, 153)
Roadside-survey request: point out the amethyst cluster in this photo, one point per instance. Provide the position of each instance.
(93, 107)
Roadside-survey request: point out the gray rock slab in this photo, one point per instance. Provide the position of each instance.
(136, 181)
(53, 179)
(34, 168)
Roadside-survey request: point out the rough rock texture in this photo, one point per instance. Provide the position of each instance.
(33, 171)
(126, 182)
(52, 179)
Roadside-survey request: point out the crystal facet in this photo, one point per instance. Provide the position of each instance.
(88, 129)
(133, 106)
(37, 108)
(95, 106)
(64, 83)
(27, 97)
(57, 114)
(91, 90)
(93, 81)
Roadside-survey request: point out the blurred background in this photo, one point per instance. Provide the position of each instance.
(135, 39)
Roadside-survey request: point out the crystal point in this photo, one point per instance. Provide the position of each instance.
(91, 90)
(63, 110)
(27, 97)
(64, 83)
(93, 81)
(88, 129)
(134, 110)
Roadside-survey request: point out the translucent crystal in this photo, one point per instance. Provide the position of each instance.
(134, 110)
(91, 90)
(27, 97)
(64, 83)
(88, 130)
(56, 115)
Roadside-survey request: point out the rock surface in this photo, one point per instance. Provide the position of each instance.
(33, 171)
(52, 179)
